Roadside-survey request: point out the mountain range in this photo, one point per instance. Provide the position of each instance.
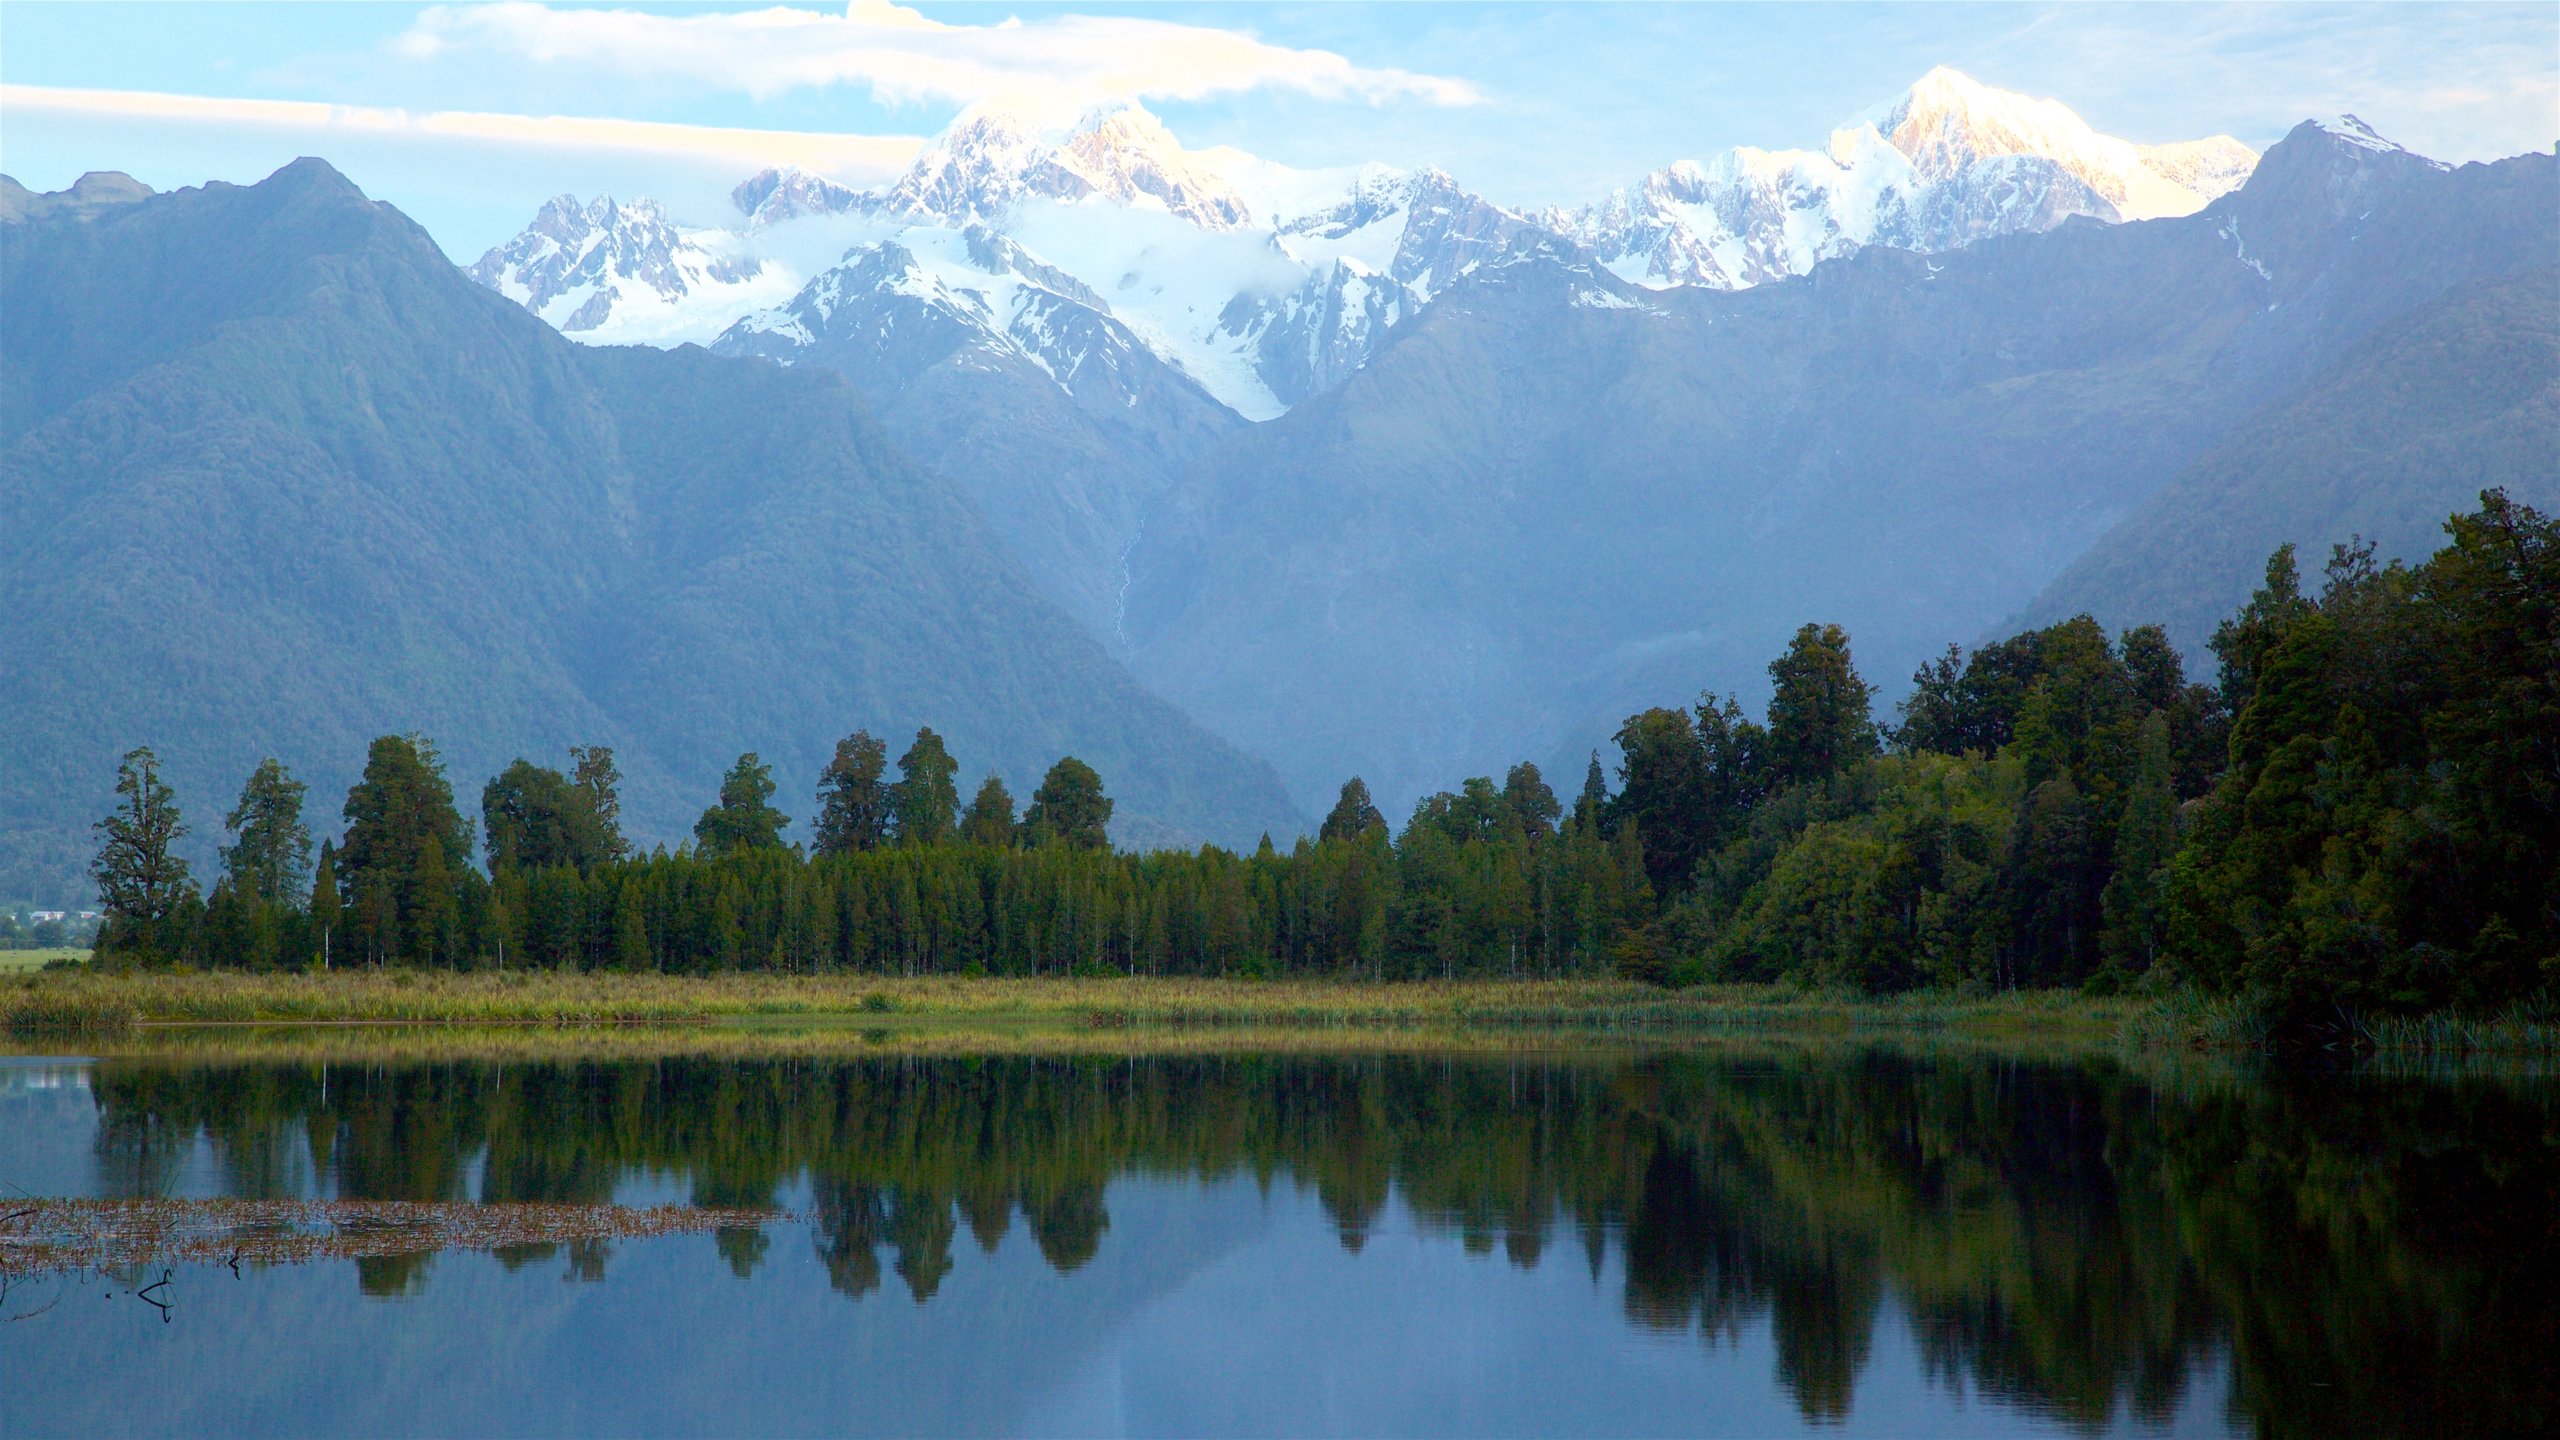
(1071, 438)
(1064, 311)
(279, 478)
(1557, 485)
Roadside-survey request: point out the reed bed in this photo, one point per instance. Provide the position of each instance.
(44, 1237)
(2531, 1029)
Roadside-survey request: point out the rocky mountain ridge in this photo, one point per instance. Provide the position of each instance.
(1267, 285)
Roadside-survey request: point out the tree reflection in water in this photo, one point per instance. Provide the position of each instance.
(2370, 1254)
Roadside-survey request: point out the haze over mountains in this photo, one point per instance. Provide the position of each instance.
(1364, 472)
(279, 478)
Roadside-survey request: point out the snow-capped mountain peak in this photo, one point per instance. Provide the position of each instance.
(1266, 284)
(1948, 122)
(625, 271)
(1947, 162)
(2352, 130)
(771, 197)
(996, 155)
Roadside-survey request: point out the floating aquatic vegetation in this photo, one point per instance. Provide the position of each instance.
(40, 1237)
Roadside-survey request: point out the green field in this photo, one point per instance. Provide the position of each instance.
(12, 961)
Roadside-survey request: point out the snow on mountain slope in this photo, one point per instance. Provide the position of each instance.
(1948, 162)
(1267, 284)
(979, 288)
(625, 273)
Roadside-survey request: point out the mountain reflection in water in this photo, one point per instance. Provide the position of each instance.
(2082, 1243)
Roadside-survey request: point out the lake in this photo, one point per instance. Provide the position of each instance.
(1690, 1241)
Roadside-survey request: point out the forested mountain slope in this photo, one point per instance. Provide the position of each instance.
(1554, 498)
(278, 478)
(2461, 396)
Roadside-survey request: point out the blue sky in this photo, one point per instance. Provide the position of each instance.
(458, 109)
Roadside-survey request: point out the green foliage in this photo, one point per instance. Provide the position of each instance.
(743, 820)
(853, 797)
(925, 803)
(989, 820)
(311, 484)
(142, 887)
(532, 816)
(2146, 840)
(270, 861)
(1354, 814)
(2387, 836)
(1069, 808)
(1819, 723)
(399, 860)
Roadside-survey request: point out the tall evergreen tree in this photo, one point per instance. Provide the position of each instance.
(600, 781)
(925, 803)
(534, 817)
(1591, 807)
(402, 802)
(1663, 791)
(1819, 722)
(270, 861)
(1933, 713)
(1070, 808)
(853, 797)
(990, 818)
(2145, 839)
(742, 820)
(1354, 813)
(141, 881)
(1533, 806)
(325, 912)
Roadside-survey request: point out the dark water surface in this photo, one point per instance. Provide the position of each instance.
(1608, 1244)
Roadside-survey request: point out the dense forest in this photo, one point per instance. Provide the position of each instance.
(2361, 809)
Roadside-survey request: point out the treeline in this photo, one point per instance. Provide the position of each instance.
(2361, 808)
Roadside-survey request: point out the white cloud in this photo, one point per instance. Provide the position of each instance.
(853, 158)
(902, 57)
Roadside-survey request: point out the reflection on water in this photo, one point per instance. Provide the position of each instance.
(1885, 1239)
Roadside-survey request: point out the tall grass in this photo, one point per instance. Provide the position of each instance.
(547, 998)
(2532, 1028)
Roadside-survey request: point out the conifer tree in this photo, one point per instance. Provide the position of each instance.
(1819, 722)
(1069, 808)
(534, 817)
(631, 931)
(401, 803)
(1533, 806)
(853, 797)
(925, 803)
(2145, 839)
(1591, 807)
(990, 818)
(1354, 814)
(326, 915)
(600, 781)
(271, 859)
(742, 820)
(141, 882)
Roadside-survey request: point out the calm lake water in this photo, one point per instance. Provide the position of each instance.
(1868, 1242)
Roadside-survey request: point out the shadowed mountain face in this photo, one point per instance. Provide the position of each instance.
(278, 478)
(2457, 397)
(1554, 498)
(1058, 422)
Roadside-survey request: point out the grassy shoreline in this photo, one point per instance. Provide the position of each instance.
(955, 1011)
(545, 998)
